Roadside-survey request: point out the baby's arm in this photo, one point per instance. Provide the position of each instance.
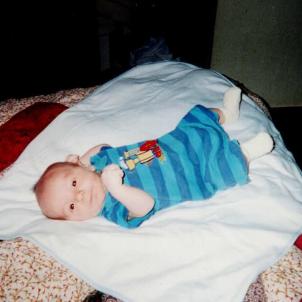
(84, 160)
(138, 202)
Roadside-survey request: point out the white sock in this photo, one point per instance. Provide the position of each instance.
(258, 146)
(231, 102)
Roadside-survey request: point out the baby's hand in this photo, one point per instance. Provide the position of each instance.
(72, 158)
(76, 159)
(112, 177)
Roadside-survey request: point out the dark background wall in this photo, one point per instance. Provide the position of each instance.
(47, 45)
(52, 45)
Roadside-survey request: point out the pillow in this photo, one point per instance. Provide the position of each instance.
(298, 242)
(23, 127)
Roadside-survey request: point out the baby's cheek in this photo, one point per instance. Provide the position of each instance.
(85, 213)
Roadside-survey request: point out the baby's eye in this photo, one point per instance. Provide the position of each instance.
(74, 183)
(71, 206)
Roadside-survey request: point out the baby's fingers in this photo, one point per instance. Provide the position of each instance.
(72, 158)
(112, 167)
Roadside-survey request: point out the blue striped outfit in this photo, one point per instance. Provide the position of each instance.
(199, 159)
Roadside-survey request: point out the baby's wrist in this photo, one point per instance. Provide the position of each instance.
(115, 190)
(85, 165)
(82, 164)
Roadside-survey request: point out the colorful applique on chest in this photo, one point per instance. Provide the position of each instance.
(144, 154)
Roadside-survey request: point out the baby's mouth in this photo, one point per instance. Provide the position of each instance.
(92, 195)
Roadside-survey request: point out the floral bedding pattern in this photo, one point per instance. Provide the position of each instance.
(28, 274)
(283, 281)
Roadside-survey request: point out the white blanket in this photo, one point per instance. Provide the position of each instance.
(197, 251)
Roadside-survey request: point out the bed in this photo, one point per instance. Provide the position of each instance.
(38, 259)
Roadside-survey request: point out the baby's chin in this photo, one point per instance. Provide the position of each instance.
(85, 215)
(93, 210)
(96, 212)
(81, 217)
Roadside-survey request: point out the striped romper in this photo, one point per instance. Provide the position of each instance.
(191, 162)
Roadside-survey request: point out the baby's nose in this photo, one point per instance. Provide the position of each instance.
(80, 196)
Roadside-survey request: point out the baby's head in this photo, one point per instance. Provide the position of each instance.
(68, 191)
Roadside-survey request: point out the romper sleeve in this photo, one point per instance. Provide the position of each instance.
(116, 212)
(99, 161)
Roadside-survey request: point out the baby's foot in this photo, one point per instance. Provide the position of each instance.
(258, 146)
(231, 102)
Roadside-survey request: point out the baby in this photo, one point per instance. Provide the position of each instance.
(128, 184)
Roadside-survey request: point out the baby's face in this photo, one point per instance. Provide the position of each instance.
(72, 193)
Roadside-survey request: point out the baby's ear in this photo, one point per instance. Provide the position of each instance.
(72, 158)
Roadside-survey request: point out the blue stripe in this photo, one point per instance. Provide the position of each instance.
(217, 147)
(113, 156)
(212, 148)
(200, 114)
(221, 143)
(160, 183)
(205, 114)
(110, 209)
(147, 180)
(168, 175)
(179, 166)
(200, 138)
(211, 180)
(190, 119)
(197, 158)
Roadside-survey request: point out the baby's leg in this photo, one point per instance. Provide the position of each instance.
(221, 118)
(231, 101)
(258, 146)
